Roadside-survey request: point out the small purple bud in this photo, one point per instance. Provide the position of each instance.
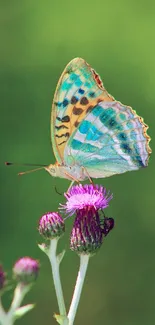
(51, 225)
(26, 270)
(2, 278)
(87, 234)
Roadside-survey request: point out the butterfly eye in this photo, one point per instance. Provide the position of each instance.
(52, 170)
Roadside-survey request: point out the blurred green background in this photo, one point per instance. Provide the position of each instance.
(38, 38)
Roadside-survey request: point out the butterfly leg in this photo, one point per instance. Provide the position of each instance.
(86, 172)
(90, 179)
(73, 180)
(71, 184)
(71, 177)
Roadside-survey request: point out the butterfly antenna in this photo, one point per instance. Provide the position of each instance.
(30, 171)
(8, 163)
(26, 164)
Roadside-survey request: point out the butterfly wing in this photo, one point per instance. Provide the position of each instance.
(112, 139)
(78, 91)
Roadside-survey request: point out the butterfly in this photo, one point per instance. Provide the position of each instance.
(93, 135)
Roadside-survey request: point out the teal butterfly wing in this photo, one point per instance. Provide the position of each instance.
(112, 139)
(78, 91)
(92, 130)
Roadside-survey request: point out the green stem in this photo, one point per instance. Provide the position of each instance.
(2, 312)
(19, 293)
(56, 275)
(84, 259)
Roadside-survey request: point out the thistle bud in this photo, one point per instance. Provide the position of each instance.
(51, 225)
(26, 270)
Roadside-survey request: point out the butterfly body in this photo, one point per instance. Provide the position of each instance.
(93, 135)
(68, 172)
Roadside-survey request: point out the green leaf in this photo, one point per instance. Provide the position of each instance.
(61, 256)
(23, 310)
(61, 319)
(44, 248)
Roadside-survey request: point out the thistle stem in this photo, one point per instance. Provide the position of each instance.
(19, 294)
(55, 262)
(84, 259)
(7, 318)
(2, 312)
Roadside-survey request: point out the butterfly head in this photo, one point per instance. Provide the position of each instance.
(52, 170)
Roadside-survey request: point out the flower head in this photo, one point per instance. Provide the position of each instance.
(88, 231)
(26, 270)
(80, 197)
(51, 225)
(2, 278)
(87, 234)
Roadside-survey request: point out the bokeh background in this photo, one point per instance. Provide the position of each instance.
(38, 38)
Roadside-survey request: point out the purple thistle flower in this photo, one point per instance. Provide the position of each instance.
(26, 270)
(51, 225)
(86, 201)
(2, 278)
(82, 196)
(87, 234)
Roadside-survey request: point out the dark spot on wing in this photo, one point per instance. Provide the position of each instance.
(84, 101)
(89, 109)
(77, 111)
(59, 144)
(65, 102)
(112, 122)
(76, 124)
(104, 117)
(126, 148)
(107, 115)
(74, 100)
(99, 100)
(122, 136)
(58, 104)
(92, 94)
(65, 118)
(63, 135)
(81, 91)
(62, 126)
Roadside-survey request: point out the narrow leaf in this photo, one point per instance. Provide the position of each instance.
(43, 248)
(61, 319)
(61, 256)
(23, 310)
